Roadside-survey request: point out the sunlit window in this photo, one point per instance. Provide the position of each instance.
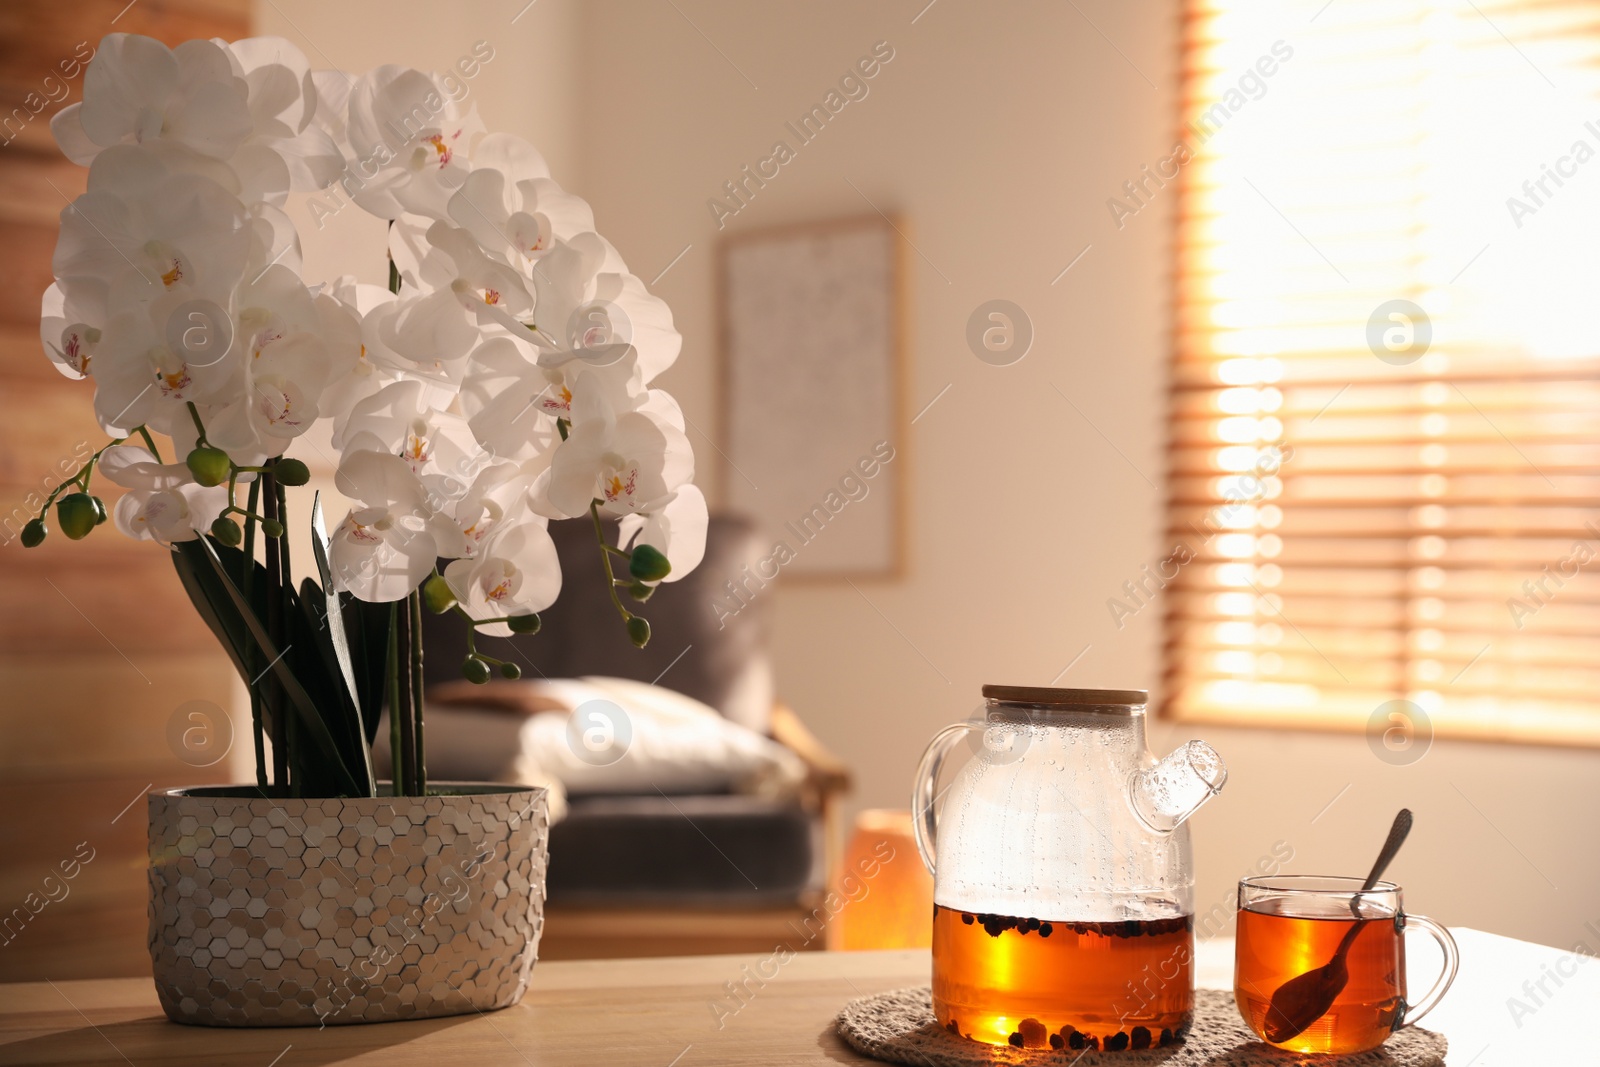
(1385, 454)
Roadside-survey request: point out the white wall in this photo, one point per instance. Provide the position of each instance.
(999, 131)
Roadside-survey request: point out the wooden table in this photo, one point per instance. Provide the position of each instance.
(680, 1013)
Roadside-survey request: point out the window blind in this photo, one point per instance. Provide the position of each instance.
(1384, 464)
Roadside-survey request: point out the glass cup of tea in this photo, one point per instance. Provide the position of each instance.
(1320, 963)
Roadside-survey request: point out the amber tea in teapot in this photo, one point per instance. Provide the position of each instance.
(1000, 973)
(1063, 888)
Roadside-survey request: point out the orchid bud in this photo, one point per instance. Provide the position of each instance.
(291, 472)
(640, 591)
(437, 595)
(75, 515)
(100, 514)
(227, 531)
(648, 564)
(33, 533)
(524, 624)
(511, 671)
(475, 670)
(272, 527)
(210, 466)
(638, 631)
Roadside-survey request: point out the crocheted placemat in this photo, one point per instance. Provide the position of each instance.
(899, 1027)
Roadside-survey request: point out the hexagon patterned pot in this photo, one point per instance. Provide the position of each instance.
(275, 912)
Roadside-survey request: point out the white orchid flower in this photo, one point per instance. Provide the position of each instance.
(516, 214)
(376, 364)
(437, 446)
(409, 142)
(677, 528)
(622, 311)
(184, 100)
(588, 303)
(430, 330)
(496, 498)
(163, 503)
(285, 150)
(144, 374)
(384, 548)
(507, 383)
(71, 322)
(613, 369)
(516, 572)
(504, 393)
(563, 283)
(272, 241)
(627, 461)
(446, 259)
(289, 346)
(144, 230)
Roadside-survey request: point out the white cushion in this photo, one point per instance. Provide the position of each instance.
(613, 736)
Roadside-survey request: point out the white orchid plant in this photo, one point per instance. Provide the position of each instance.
(502, 380)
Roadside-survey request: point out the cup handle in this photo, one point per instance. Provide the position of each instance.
(924, 806)
(1452, 963)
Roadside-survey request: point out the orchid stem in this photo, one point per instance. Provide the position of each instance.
(392, 674)
(200, 427)
(605, 558)
(401, 709)
(80, 479)
(150, 442)
(394, 271)
(286, 592)
(249, 649)
(420, 769)
(274, 697)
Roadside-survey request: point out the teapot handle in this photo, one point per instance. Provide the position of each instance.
(924, 804)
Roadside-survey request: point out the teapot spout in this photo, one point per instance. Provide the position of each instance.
(1165, 795)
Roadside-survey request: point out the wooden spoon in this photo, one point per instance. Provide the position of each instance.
(1306, 998)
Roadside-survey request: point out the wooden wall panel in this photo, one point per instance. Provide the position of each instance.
(98, 644)
(113, 722)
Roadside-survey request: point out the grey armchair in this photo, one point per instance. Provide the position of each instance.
(656, 873)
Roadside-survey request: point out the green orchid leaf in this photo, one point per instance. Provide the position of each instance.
(338, 637)
(207, 576)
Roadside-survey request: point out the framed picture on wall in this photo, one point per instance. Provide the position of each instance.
(812, 381)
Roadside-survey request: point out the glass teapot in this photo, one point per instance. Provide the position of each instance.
(1063, 882)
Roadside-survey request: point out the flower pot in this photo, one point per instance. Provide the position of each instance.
(302, 912)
